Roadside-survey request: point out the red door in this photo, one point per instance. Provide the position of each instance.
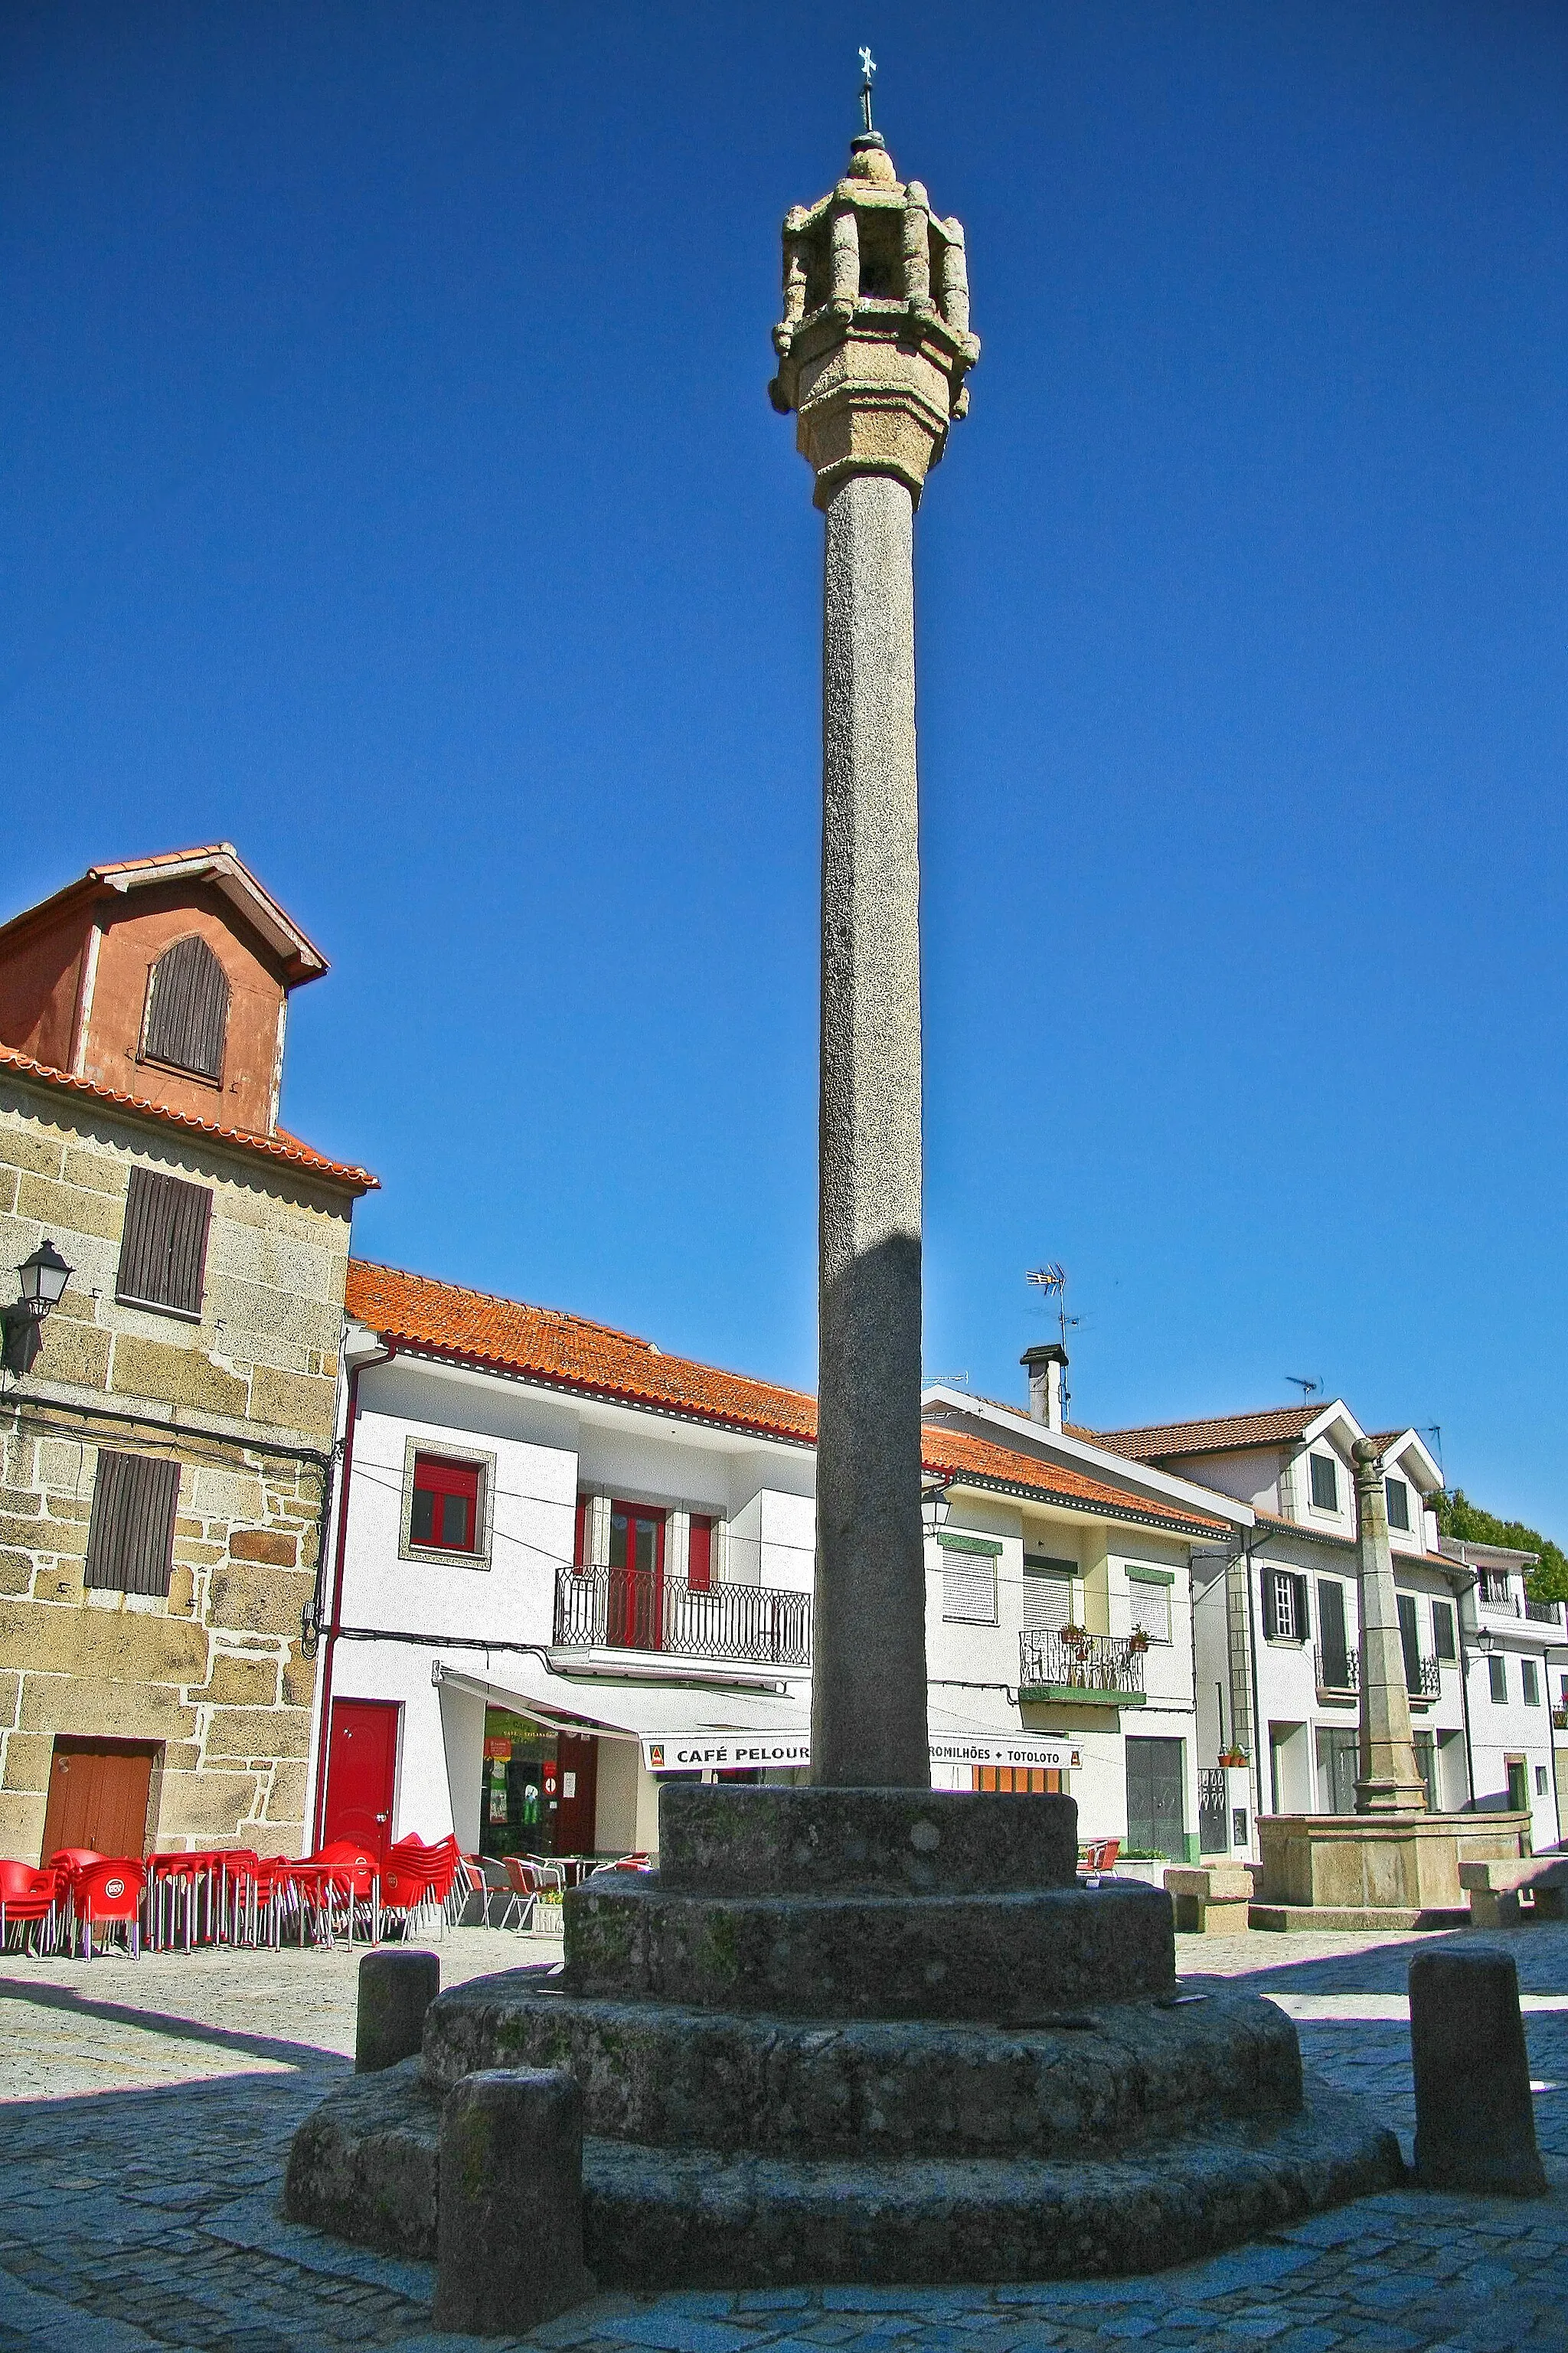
(636, 1578)
(361, 1768)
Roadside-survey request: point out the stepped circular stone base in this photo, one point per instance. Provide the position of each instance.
(723, 1840)
(364, 2165)
(662, 2073)
(1008, 1959)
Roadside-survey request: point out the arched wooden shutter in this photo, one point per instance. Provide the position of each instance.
(187, 1013)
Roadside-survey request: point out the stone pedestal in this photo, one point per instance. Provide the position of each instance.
(1396, 1862)
(877, 2035)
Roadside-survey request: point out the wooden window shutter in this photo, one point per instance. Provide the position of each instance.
(1303, 1610)
(163, 1249)
(130, 1538)
(187, 1009)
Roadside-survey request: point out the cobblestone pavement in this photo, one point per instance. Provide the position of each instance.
(148, 2106)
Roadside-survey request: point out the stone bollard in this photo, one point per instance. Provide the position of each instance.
(395, 1990)
(509, 2201)
(1474, 2126)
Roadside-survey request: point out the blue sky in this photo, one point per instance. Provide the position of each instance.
(389, 486)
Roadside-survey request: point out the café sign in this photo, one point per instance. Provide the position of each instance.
(715, 1752)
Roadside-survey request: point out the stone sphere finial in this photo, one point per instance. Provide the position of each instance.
(869, 160)
(874, 342)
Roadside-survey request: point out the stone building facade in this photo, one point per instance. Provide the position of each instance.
(167, 1460)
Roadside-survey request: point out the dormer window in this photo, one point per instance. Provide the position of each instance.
(187, 1009)
(1398, 1495)
(1325, 1483)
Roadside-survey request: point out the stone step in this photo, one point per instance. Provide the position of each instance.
(1009, 1959)
(668, 2074)
(364, 2167)
(723, 1840)
(1354, 1919)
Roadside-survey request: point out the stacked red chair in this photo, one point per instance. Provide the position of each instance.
(107, 1893)
(32, 1899)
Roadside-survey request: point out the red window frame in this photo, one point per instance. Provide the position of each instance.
(700, 1555)
(446, 1482)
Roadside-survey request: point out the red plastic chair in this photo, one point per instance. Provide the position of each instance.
(31, 1898)
(110, 1892)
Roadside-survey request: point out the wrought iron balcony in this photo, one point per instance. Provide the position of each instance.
(1423, 1678)
(1497, 1593)
(1105, 1670)
(634, 1609)
(1337, 1670)
(1545, 1613)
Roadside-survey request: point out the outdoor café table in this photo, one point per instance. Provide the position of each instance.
(317, 1882)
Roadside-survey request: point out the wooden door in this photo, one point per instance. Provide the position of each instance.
(362, 1773)
(577, 1771)
(1154, 1810)
(97, 1796)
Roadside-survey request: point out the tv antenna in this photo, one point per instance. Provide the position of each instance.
(1308, 1388)
(1051, 1282)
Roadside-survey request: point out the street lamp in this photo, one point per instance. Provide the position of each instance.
(934, 1506)
(43, 1279)
(1486, 1642)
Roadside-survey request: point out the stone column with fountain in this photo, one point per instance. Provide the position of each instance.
(863, 2030)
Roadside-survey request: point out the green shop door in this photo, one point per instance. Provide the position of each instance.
(1155, 1824)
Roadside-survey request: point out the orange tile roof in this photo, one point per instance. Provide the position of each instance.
(961, 1456)
(1157, 1439)
(280, 1146)
(570, 1351)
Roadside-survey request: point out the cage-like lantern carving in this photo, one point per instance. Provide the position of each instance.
(875, 344)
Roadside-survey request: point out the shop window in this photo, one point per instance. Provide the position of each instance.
(1039, 1781)
(1325, 1475)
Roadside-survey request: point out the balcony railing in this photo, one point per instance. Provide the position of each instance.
(1497, 1593)
(1423, 1678)
(633, 1610)
(1337, 1670)
(1082, 1666)
(1545, 1613)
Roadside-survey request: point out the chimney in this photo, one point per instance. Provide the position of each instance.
(1047, 1367)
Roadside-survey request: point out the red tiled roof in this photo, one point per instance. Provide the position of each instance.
(217, 863)
(280, 1146)
(568, 1351)
(1215, 1436)
(957, 1454)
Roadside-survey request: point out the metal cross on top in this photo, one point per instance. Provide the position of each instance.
(868, 75)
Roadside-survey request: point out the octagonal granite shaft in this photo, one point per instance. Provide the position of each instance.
(872, 366)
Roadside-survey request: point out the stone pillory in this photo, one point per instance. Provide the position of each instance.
(873, 349)
(866, 2031)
